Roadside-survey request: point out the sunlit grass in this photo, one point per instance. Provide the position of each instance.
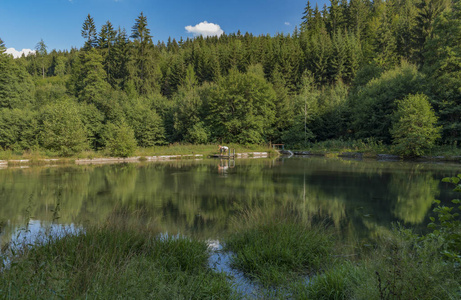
(113, 261)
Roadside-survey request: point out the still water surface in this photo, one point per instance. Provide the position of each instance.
(205, 198)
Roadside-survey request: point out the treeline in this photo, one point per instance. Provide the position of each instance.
(384, 70)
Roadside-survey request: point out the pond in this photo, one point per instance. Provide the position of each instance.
(205, 198)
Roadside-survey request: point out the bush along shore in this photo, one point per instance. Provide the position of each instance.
(281, 255)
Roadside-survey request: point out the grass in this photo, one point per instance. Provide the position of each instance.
(187, 149)
(113, 261)
(286, 256)
(370, 147)
(294, 259)
(277, 250)
(174, 149)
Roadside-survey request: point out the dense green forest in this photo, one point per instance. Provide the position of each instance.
(382, 71)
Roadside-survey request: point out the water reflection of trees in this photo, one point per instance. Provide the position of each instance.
(190, 196)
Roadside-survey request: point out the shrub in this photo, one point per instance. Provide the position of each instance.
(119, 140)
(414, 129)
(62, 129)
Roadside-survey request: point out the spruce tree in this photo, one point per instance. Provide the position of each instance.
(143, 70)
(40, 53)
(89, 33)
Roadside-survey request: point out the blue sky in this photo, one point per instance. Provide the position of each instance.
(59, 22)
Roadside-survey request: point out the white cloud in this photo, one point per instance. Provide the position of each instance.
(287, 23)
(17, 53)
(205, 29)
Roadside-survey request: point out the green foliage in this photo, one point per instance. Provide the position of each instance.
(92, 119)
(94, 88)
(443, 66)
(373, 106)
(18, 128)
(272, 252)
(345, 47)
(447, 226)
(113, 261)
(198, 134)
(16, 86)
(146, 123)
(414, 129)
(402, 266)
(119, 139)
(241, 108)
(89, 33)
(335, 283)
(61, 128)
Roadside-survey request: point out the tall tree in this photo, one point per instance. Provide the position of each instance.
(117, 61)
(308, 14)
(427, 12)
(443, 65)
(89, 33)
(144, 69)
(93, 79)
(106, 42)
(41, 53)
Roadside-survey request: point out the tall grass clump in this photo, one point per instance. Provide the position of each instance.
(337, 282)
(276, 250)
(112, 261)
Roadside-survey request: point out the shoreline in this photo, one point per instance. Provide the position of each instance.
(7, 163)
(4, 164)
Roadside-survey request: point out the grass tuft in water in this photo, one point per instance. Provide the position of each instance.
(278, 250)
(113, 261)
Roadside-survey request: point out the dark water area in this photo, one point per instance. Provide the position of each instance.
(205, 198)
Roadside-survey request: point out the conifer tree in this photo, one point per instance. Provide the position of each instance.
(2, 47)
(144, 70)
(308, 14)
(335, 16)
(105, 43)
(89, 33)
(41, 53)
(443, 65)
(427, 12)
(94, 87)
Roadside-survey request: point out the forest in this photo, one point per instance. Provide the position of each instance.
(376, 71)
